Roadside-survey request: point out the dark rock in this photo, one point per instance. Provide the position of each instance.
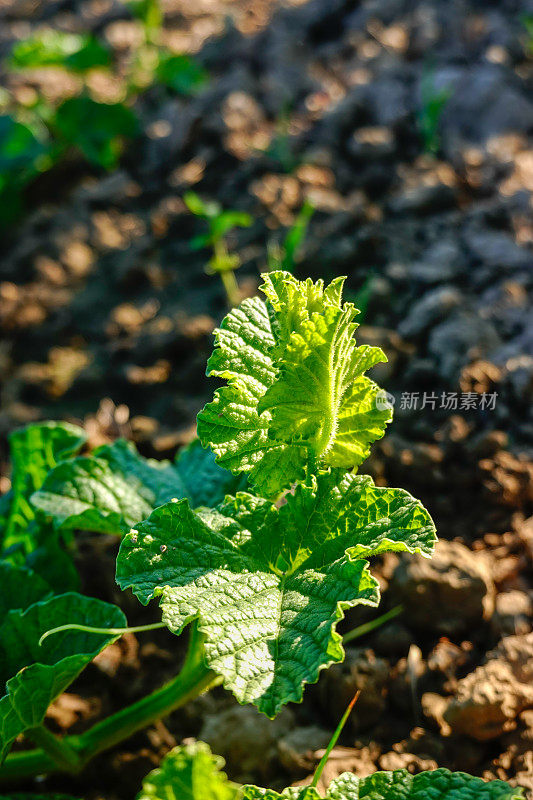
(464, 337)
(361, 670)
(423, 200)
(432, 308)
(441, 262)
(455, 581)
(246, 739)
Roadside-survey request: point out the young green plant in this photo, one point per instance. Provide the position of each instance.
(257, 539)
(219, 224)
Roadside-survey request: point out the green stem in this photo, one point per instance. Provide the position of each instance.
(72, 626)
(227, 276)
(233, 293)
(368, 627)
(58, 749)
(194, 678)
(186, 686)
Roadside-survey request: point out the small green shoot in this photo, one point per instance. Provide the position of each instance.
(219, 223)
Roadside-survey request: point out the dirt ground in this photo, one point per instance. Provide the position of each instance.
(106, 316)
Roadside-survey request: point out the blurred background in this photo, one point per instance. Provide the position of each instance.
(155, 158)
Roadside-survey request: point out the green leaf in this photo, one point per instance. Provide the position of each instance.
(115, 488)
(228, 220)
(207, 209)
(180, 73)
(19, 588)
(51, 561)
(96, 129)
(42, 673)
(34, 451)
(268, 585)
(439, 784)
(296, 392)
(190, 772)
(205, 482)
(50, 48)
(19, 147)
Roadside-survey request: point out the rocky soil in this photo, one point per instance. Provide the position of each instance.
(106, 316)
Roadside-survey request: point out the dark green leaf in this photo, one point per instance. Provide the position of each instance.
(19, 588)
(34, 451)
(115, 488)
(399, 785)
(180, 73)
(42, 673)
(96, 129)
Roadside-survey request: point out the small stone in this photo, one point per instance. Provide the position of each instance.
(246, 739)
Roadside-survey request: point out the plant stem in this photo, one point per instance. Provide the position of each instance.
(368, 627)
(233, 293)
(186, 686)
(58, 749)
(194, 678)
(229, 281)
(72, 626)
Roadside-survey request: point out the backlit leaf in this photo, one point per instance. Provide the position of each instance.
(190, 772)
(268, 585)
(296, 392)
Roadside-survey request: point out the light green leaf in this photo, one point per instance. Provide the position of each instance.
(296, 392)
(20, 588)
(42, 673)
(50, 48)
(439, 784)
(268, 585)
(34, 451)
(115, 488)
(190, 772)
(292, 793)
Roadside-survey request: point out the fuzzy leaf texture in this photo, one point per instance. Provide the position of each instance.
(35, 675)
(190, 772)
(296, 391)
(115, 488)
(439, 784)
(268, 585)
